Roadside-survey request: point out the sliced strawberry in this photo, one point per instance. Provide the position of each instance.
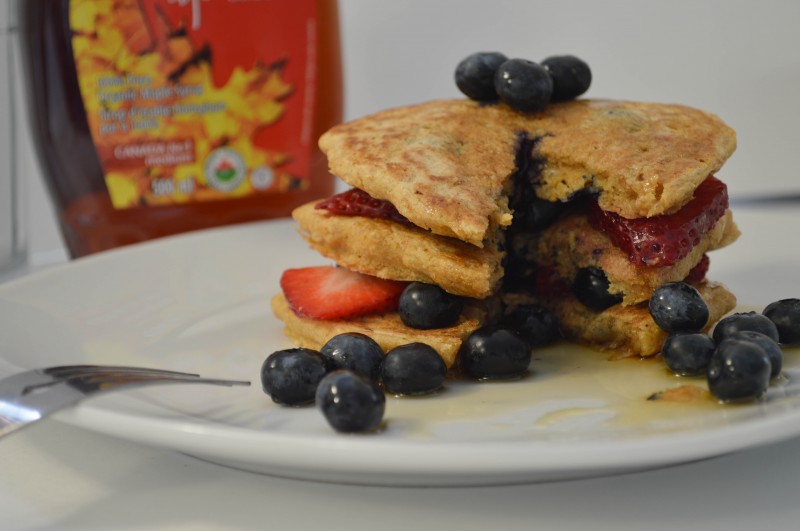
(331, 293)
(663, 240)
(357, 202)
(698, 272)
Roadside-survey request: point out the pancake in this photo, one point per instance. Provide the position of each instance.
(447, 165)
(623, 330)
(387, 330)
(454, 168)
(572, 243)
(397, 251)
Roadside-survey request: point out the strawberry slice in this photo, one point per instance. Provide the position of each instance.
(357, 202)
(663, 240)
(332, 293)
(698, 272)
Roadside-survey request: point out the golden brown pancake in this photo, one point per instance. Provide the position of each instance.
(387, 330)
(446, 164)
(623, 330)
(572, 243)
(397, 251)
(449, 167)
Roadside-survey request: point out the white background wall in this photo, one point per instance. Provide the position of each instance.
(739, 59)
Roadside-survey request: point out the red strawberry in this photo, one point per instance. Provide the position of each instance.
(357, 202)
(663, 240)
(328, 292)
(698, 272)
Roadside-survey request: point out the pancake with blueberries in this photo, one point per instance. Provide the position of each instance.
(583, 208)
(448, 166)
(387, 329)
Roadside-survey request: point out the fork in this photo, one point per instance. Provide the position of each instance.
(33, 395)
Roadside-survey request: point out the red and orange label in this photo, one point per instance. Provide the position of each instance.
(197, 100)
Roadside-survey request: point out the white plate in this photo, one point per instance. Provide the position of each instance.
(200, 303)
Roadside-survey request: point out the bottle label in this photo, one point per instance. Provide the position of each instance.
(197, 100)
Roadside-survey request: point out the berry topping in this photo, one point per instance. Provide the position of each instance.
(688, 354)
(698, 272)
(536, 214)
(738, 371)
(290, 377)
(591, 288)
(663, 240)
(548, 283)
(475, 75)
(426, 306)
(738, 322)
(328, 292)
(355, 352)
(523, 85)
(786, 316)
(571, 76)
(678, 307)
(772, 348)
(357, 202)
(536, 324)
(350, 403)
(494, 352)
(413, 369)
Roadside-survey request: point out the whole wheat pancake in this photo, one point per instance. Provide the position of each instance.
(623, 330)
(572, 243)
(397, 251)
(447, 164)
(387, 330)
(451, 167)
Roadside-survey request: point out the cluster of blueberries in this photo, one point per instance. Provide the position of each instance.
(524, 85)
(348, 377)
(743, 353)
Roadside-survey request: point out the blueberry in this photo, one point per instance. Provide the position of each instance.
(771, 347)
(537, 213)
(523, 85)
(678, 307)
(290, 377)
(688, 353)
(536, 324)
(355, 352)
(738, 370)
(350, 403)
(475, 75)
(785, 314)
(426, 306)
(413, 369)
(745, 321)
(494, 352)
(591, 288)
(571, 76)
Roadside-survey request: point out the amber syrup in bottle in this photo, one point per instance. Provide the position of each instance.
(156, 117)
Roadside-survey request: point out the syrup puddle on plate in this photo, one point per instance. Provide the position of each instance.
(572, 392)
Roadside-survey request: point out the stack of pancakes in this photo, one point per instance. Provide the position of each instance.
(452, 169)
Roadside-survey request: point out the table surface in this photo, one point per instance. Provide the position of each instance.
(56, 476)
(59, 477)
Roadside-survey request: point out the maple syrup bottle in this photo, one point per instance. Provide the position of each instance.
(156, 117)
